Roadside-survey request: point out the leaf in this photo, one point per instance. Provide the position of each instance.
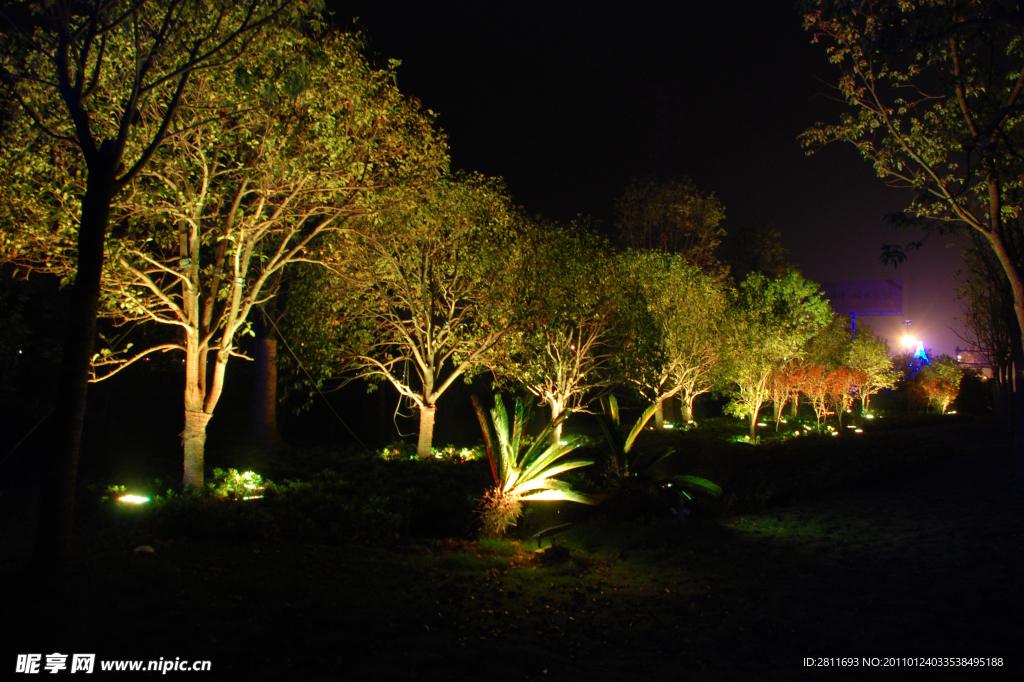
(697, 482)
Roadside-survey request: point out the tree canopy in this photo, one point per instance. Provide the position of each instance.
(419, 295)
(672, 216)
(769, 323)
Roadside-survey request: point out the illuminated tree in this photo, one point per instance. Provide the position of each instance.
(769, 323)
(871, 358)
(564, 352)
(812, 381)
(81, 75)
(421, 295)
(841, 387)
(935, 88)
(681, 314)
(674, 217)
(940, 381)
(246, 183)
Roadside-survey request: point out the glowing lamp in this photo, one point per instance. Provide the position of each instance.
(908, 341)
(670, 426)
(133, 499)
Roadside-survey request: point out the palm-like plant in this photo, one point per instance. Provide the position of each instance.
(523, 472)
(626, 464)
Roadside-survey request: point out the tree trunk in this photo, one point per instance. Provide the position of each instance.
(794, 407)
(753, 423)
(426, 441)
(556, 411)
(57, 497)
(659, 416)
(193, 438)
(1017, 400)
(668, 410)
(264, 418)
(556, 434)
(686, 410)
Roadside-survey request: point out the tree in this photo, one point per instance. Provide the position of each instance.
(842, 385)
(564, 352)
(674, 217)
(986, 300)
(769, 322)
(422, 294)
(870, 356)
(935, 88)
(241, 199)
(812, 381)
(756, 248)
(940, 381)
(81, 73)
(680, 316)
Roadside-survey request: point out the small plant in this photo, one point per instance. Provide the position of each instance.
(450, 453)
(623, 463)
(237, 486)
(523, 473)
(401, 451)
(398, 451)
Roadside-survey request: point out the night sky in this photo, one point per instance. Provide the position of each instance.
(568, 101)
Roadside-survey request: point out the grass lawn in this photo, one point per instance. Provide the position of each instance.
(928, 563)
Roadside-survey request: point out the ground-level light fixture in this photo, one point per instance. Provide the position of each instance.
(133, 499)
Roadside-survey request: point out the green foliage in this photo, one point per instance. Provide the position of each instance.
(235, 485)
(624, 463)
(418, 295)
(934, 91)
(677, 314)
(757, 248)
(770, 322)
(564, 349)
(525, 472)
(940, 381)
(672, 217)
(400, 450)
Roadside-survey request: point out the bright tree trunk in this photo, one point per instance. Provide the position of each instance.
(57, 497)
(194, 441)
(556, 411)
(794, 407)
(264, 418)
(686, 410)
(659, 416)
(426, 440)
(753, 423)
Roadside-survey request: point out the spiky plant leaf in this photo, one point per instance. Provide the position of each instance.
(549, 455)
(556, 469)
(698, 483)
(545, 482)
(556, 496)
(645, 461)
(522, 415)
(500, 418)
(638, 427)
(613, 408)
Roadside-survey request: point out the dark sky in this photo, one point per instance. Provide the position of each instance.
(567, 101)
